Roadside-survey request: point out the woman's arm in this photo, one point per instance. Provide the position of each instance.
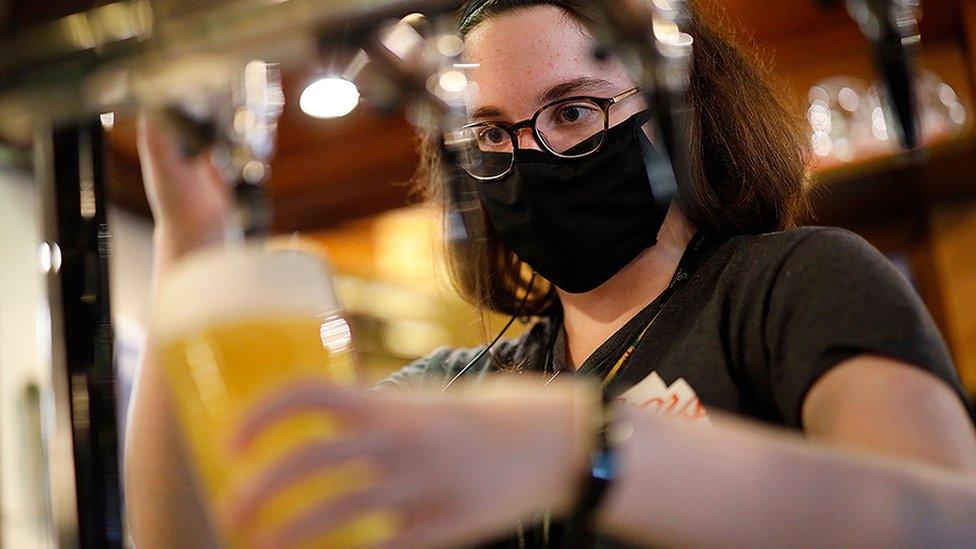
(740, 485)
(881, 405)
(462, 467)
(189, 204)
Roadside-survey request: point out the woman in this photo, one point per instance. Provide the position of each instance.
(704, 305)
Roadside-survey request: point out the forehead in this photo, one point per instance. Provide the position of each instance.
(518, 56)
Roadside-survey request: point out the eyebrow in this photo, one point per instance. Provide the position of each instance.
(487, 112)
(576, 86)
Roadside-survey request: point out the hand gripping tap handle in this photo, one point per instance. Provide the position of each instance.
(234, 119)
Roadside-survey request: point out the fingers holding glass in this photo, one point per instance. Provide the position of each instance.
(305, 396)
(322, 520)
(299, 465)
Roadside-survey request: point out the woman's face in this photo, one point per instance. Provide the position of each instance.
(533, 56)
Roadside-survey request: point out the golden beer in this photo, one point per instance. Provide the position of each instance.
(231, 327)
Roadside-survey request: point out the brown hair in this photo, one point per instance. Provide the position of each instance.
(748, 160)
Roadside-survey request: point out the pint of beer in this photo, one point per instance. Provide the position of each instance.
(231, 326)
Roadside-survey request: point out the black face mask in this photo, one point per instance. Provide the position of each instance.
(578, 222)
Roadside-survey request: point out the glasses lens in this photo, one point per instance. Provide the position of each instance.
(485, 150)
(573, 128)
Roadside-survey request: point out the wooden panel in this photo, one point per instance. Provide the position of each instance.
(329, 171)
(967, 10)
(953, 239)
(772, 20)
(889, 203)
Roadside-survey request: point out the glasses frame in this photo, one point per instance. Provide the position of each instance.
(605, 103)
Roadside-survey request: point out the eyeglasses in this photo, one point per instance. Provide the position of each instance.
(568, 128)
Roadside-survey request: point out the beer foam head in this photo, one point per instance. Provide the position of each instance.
(225, 285)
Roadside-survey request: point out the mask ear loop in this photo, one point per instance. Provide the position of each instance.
(483, 352)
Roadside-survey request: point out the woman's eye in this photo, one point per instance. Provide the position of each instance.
(573, 114)
(493, 136)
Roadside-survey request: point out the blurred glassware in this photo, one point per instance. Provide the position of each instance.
(232, 326)
(843, 117)
(942, 114)
(847, 120)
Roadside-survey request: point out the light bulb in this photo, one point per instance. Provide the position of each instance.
(330, 97)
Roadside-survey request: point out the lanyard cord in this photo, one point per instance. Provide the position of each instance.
(625, 358)
(687, 264)
(480, 355)
(683, 273)
(680, 276)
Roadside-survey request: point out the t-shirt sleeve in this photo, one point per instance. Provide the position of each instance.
(835, 297)
(438, 368)
(434, 370)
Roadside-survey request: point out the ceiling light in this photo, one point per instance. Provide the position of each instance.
(329, 98)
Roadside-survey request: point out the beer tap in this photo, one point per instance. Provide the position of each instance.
(415, 63)
(465, 222)
(230, 110)
(651, 39)
(892, 28)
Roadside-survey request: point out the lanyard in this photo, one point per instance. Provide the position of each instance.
(683, 273)
(685, 268)
(625, 358)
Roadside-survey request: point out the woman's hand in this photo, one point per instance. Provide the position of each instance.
(455, 468)
(189, 201)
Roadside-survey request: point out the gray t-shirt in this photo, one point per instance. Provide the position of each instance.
(758, 321)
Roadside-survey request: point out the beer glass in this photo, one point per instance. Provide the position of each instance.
(231, 326)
